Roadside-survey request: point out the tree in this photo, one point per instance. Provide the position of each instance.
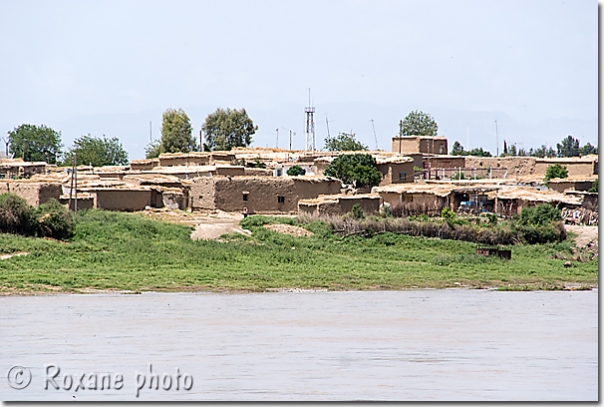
(542, 152)
(228, 128)
(97, 151)
(555, 171)
(295, 170)
(418, 123)
(357, 169)
(344, 142)
(153, 149)
(588, 149)
(457, 149)
(176, 132)
(40, 143)
(568, 147)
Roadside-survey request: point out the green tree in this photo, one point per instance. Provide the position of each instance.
(588, 149)
(542, 152)
(555, 171)
(295, 170)
(540, 215)
(228, 128)
(40, 143)
(594, 186)
(153, 149)
(457, 149)
(568, 147)
(357, 169)
(176, 132)
(418, 123)
(97, 151)
(344, 142)
(479, 152)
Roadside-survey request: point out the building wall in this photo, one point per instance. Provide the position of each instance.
(35, 193)
(574, 168)
(139, 165)
(404, 145)
(184, 159)
(391, 173)
(127, 200)
(415, 144)
(562, 185)
(230, 171)
(339, 205)
(262, 193)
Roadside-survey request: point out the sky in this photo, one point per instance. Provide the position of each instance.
(113, 67)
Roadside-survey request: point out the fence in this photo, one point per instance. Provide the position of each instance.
(461, 173)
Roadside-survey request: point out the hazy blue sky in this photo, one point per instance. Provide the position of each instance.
(111, 67)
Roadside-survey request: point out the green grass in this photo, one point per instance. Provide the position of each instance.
(119, 251)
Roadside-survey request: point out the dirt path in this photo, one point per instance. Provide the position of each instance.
(216, 225)
(585, 234)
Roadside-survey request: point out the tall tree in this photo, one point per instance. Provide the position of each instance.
(344, 142)
(97, 151)
(568, 147)
(588, 149)
(35, 143)
(457, 149)
(418, 123)
(228, 128)
(542, 152)
(153, 149)
(177, 132)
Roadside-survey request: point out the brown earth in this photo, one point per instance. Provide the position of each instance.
(585, 234)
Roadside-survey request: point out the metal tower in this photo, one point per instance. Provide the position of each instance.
(310, 126)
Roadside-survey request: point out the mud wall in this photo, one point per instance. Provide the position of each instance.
(128, 200)
(574, 168)
(396, 173)
(35, 193)
(258, 194)
(183, 159)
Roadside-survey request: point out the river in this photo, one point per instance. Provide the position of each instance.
(453, 344)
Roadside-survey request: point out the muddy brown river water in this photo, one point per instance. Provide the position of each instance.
(381, 345)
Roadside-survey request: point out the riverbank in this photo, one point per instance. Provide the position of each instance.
(130, 253)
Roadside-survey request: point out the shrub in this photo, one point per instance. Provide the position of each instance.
(54, 220)
(357, 212)
(16, 215)
(295, 170)
(594, 186)
(386, 210)
(492, 219)
(540, 215)
(555, 171)
(531, 234)
(449, 216)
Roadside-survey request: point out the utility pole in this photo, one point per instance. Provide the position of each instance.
(75, 175)
(374, 135)
(468, 139)
(310, 125)
(151, 132)
(277, 144)
(497, 138)
(327, 122)
(201, 140)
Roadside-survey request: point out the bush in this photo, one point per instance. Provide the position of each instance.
(357, 212)
(555, 171)
(492, 219)
(54, 220)
(296, 170)
(16, 216)
(594, 186)
(531, 234)
(449, 216)
(540, 215)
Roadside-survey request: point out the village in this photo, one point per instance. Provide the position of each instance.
(418, 174)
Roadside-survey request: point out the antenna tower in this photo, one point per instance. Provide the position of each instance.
(310, 125)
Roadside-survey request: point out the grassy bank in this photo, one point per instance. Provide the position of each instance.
(118, 251)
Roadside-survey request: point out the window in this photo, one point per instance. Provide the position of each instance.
(402, 176)
(245, 197)
(281, 199)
